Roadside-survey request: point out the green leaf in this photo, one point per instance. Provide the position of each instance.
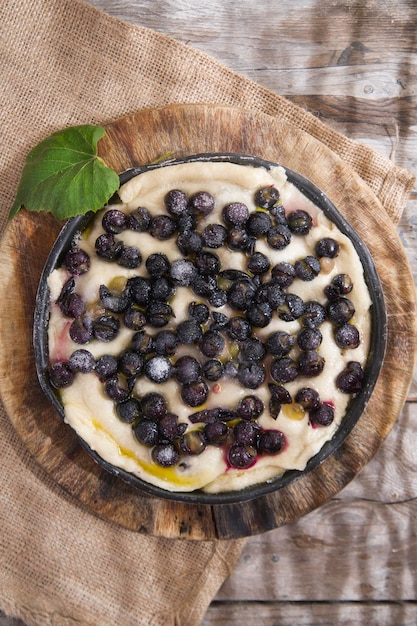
(63, 174)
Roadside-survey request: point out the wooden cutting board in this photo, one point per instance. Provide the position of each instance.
(184, 130)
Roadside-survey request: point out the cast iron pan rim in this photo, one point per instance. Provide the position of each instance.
(357, 404)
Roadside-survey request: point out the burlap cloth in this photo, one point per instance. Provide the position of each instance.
(62, 63)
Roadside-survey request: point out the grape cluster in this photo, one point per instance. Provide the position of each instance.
(254, 296)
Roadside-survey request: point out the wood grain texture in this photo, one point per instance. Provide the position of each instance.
(310, 614)
(142, 138)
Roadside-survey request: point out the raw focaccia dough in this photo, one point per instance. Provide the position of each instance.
(92, 414)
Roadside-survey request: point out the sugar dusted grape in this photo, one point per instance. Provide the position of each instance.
(77, 261)
(61, 374)
(165, 454)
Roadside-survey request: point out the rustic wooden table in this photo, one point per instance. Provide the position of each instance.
(353, 63)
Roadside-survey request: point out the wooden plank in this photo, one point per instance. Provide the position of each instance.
(354, 550)
(310, 614)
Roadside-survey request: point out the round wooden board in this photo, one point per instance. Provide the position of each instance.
(185, 130)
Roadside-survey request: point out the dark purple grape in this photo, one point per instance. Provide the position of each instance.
(278, 213)
(139, 289)
(274, 407)
(271, 293)
(259, 314)
(165, 342)
(327, 247)
(239, 328)
(311, 363)
(201, 203)
(250, 407)
(130, 363)
(129, 411)
(307, 397)
(283, 274)
(113, 302)
(129, 257)
(271, 442)
(106, 327)
(81, 330)
(82, 361)
(157, 264)
(231, 369)
(176, 202)
(239, 239)
(258, 263)
(154, 405)
(209, 416)
(314, 314)
(251, 375)
(258, 224)
(142, 342)
(284, 370)
(216, 433)
(341, 285)
(193, 442)
(213, 370)
(139, 220)
(158, 369)
(189, 331)
(347, 336)
(77, 261)
(279, 237)
(106, 366)
(204, 286)
(235, 214)
(134, 318)
(279, 343)
(322, 415)
(199, 311)
(267, 197)
(114, 221)
(186, 222)
(187, 369)
(194, 393)
(280, 393)
(211, 343)
(162, 289)
(240, 294)
(165, 454)
(183, 272)
(107, 247)
(308, 268)
(241, 457)
(350, 379)
(252, 349)
(291, 309)
(162, 227)
(169, 428)
(309, 338)
(158, 314)
(61, 374)
(207, 263)
(146, 432)
(73, 305)
(246, 433)
(299, 222)
(116, 389)
(214, 235)
(189, 242)
(340, 311)
(220, 320)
